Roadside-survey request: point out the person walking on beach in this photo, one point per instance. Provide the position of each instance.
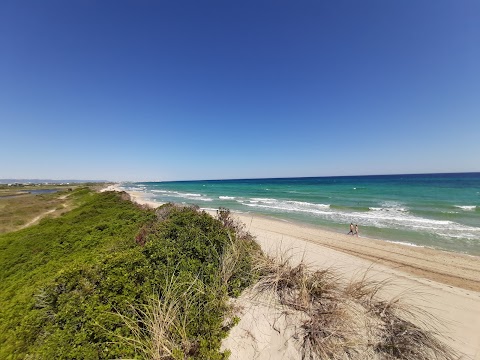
(351, 229)
(356, 229)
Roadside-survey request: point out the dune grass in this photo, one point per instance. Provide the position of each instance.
(347, 320)
(159, 328)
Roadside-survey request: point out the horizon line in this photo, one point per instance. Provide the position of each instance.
(233, 179)
(307, 177)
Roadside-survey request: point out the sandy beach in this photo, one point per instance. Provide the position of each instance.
(445, 284)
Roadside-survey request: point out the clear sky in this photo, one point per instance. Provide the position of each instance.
(170, 90)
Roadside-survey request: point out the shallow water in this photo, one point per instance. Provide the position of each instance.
(43, 191)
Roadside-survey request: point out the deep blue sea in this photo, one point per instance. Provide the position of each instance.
(441, 211)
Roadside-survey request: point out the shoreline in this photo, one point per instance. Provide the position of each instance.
(394, 254)
(433, 264)
(446, 284)
(326, 229)
(427, 237)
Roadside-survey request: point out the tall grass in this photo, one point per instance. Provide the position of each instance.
(159, 328)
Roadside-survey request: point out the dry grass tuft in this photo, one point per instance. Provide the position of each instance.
(236, 258)
(364, 288)
(329, 332)
(229, 260)
(350, 320)
(400, 338)
(296, 287)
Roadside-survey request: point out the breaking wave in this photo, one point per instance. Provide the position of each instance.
(389, 215)
(178, 194)
(466, 207)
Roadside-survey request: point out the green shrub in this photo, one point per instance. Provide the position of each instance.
(73, 286)
(33, 259)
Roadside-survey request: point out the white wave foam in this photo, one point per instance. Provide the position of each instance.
(301, 203)
(388, 215)
(390, 206)
(459, 235)
(405, 243)
(134, 188)
(387, 209)
(286, 205)
(466, 207)
(264, 199)
(189, 196)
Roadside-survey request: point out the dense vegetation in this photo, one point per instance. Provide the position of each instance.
(110, 279)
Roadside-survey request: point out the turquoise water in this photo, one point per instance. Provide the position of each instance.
(436, 210)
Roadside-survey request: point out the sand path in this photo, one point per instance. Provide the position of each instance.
(37, 218)
(42, 215)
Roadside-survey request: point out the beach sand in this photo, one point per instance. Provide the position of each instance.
(136, 196)
(445, 284)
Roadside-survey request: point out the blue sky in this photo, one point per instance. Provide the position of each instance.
(170, 90)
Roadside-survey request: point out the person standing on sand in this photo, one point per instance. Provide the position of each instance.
(351, 229)
(356, 229)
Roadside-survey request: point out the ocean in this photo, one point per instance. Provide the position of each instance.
(440, 211)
